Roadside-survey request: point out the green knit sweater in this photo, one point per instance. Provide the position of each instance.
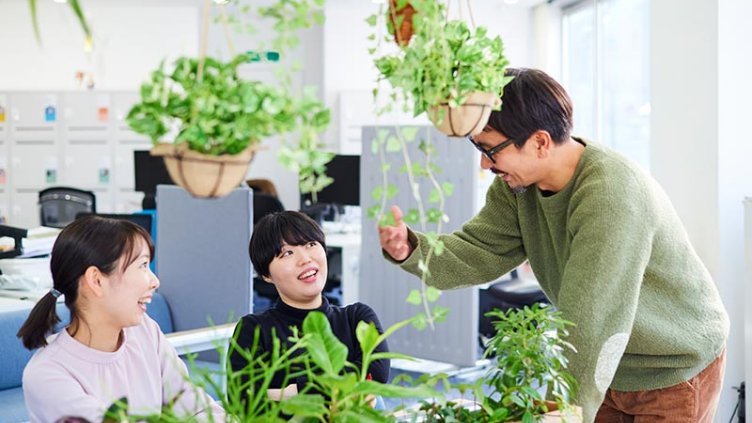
(610, 253)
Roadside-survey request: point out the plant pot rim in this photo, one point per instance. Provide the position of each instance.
(183, 152)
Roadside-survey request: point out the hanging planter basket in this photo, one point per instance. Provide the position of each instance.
(465, 120)
(404, 17)
(204, 175)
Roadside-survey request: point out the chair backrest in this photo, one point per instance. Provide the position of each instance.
(264, 204)
(58, 206)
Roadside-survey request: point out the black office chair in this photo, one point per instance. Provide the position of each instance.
(264, 204)
(58, 206)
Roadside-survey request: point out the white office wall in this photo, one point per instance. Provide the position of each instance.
(130, 40)
(734, 179)
(700, 147)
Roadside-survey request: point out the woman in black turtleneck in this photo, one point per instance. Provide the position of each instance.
(288, 250)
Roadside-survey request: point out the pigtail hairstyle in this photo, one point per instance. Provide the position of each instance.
(88, 241)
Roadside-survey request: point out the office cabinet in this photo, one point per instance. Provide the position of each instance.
(24, 209)
(78, 139)
(35, 164)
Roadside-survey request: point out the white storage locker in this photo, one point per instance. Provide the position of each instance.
(33, 112)
(88, 164)
(34, 165)
(24, 210)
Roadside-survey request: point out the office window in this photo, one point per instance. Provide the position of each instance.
(607, 72)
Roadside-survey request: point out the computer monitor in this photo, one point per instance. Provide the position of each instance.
(344, 191)
(149, 171)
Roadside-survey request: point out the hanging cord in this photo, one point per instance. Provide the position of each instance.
(459, 12)
(226, 28)
(204, 40)
(470, 13)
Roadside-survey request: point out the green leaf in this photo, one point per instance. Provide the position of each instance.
(367, 335)
(304, 405)
(432, 294)
(395, 391)
(393, 145)
(326, 350)
(414, 297)
(412, 217)
(448, 188)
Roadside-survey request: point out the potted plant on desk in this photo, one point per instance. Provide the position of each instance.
(529, 350)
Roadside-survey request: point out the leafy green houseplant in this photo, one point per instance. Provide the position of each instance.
(217, 120)
(529, 352)
(447, 69)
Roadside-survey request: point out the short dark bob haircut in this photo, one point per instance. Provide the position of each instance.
(533, 101)
(273, 230)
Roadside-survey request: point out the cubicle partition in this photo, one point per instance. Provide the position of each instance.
(202, 256)
(385, 287)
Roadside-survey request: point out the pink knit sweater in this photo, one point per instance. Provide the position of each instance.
(67, 378)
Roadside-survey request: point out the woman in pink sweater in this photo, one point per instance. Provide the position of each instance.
(111, 349)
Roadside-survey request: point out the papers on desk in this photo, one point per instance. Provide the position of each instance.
(25, 274)
(38, 242)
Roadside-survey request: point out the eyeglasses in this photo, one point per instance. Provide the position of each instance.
(491, 152)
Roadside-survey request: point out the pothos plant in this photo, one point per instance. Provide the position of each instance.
(444, 62)
(215, 112)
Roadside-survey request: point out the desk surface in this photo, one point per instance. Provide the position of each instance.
(14, 304)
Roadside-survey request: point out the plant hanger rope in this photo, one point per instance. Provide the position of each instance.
(459, 9)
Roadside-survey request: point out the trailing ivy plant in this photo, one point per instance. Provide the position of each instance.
(427, 211)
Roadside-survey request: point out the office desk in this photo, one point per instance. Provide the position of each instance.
(14, 304)
(349, 243)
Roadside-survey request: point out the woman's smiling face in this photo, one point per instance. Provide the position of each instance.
(299, 272)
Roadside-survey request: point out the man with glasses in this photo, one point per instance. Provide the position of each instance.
(607, 248)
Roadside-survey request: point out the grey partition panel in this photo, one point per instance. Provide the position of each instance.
(385, 286)
(202, 255)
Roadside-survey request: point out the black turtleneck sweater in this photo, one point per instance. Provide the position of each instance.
(281, 317)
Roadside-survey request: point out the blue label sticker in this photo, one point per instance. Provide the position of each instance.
(51, 176)
(49, 114)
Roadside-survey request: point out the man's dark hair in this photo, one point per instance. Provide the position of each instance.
(289, 227)
(533, 101)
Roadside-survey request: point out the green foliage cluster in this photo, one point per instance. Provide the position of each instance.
(444, 61)
(529, 350)
(214, 111)
(218, 113)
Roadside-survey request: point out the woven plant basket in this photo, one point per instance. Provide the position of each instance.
(404, 31)
(465, 120)
(204, 175)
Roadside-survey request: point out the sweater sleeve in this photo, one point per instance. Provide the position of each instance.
(177, 389)
(488, 245)
(379, 369)
(611, 227)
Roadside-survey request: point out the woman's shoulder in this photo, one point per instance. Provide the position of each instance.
(359, 311)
